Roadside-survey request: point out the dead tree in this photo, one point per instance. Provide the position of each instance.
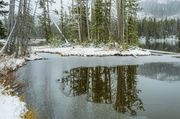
(19, 30)
(9, 46)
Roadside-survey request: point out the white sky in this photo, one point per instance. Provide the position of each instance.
(56, 5)
(160, 1)
(67, 3)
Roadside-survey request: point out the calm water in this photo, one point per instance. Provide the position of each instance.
(103, 88)
(172, 46)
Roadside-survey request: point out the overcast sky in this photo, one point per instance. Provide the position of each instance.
(56, 5)
(53, 7)
(67, 3)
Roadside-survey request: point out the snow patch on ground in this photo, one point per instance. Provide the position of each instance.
(91, 51)
(33, 57)
(10, 63)
(10, 106)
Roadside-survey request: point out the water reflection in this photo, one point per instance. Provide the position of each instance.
(109, 85)
(173, 46)
(160, 71)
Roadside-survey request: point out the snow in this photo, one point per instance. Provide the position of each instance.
(11, 63)
(136, 52)
(33, 57)
(10, 106)
(92, 51)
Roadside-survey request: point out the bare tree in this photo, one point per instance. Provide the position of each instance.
(120, 19)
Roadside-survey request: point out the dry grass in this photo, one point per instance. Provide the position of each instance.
(31, 114)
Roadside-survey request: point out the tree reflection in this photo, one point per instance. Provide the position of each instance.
(127, 99)
(110, 85)
(75, 83)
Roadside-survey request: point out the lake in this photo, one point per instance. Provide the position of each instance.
(103, 87)
(169, 44)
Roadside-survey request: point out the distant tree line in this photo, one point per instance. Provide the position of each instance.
(160, 10)
(158, 29)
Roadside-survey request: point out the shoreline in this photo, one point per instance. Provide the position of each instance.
(91, 51)
(12, 104)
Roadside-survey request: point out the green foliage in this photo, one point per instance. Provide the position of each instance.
(102, 25)
(3, 30)
(101, 21)
(44, 19)
(152, 27)
(54, 41)
(132, 32)
(178, 29)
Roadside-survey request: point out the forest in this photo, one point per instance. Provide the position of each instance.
(82, 23)
(158, 29)
(89, 59)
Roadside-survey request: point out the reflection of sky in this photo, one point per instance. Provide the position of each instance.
(172, 40)
(160, 71)
(161, 100)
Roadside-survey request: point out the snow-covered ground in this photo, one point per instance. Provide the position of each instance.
(91, 51)
(10, 106)
(11, 63)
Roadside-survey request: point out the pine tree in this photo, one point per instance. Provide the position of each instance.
(178, 29)
(2, 30)
(2, 12)
(101, 20)
(45, 20)
(131, 24)
(132, 32)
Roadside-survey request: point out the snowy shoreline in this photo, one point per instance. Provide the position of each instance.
(9, 63)
(91, 51)
(11, 107)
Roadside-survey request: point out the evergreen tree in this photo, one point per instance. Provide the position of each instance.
(98, 20)
(131, 27)
(101, 20)
(178, 29)
(45, 20)
(132, 32)
(2, 30)
(2, 13)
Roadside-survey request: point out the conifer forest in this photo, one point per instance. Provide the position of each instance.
(89, 59)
